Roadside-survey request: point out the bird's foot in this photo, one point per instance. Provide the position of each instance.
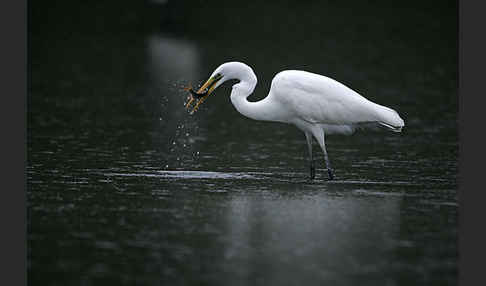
(312, 172)
(330, 172)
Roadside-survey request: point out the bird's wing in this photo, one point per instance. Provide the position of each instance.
(319, 99)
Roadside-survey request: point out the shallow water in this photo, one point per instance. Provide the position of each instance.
(125, 187)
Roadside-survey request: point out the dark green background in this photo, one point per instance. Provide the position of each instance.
(124, 187)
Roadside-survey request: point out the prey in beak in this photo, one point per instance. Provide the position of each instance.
(203, 92)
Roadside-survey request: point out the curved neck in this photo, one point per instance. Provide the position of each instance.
(260, 110)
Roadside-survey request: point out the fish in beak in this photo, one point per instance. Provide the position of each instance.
(206, 89)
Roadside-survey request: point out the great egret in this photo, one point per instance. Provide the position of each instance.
(315, 104)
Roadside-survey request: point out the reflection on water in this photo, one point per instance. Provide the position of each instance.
(124, 187)
(301, 240)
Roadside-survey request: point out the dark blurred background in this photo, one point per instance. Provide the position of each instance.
(110, 144)
(364, 45)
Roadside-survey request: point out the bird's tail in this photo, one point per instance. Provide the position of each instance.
(392, 128)
(389, 118)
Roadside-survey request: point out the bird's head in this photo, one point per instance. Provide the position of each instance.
(225, 72)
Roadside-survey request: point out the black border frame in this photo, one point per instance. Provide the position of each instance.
(472, 238)
(471, 193)
(13, 211)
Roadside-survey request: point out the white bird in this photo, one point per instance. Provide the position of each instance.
(316, 104)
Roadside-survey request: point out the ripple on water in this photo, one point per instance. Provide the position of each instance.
(383, 194)
(188, 175)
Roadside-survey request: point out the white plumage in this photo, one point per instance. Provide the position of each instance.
(315, 104)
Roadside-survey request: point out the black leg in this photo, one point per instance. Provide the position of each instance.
(330, 172)
(320, 138)
(308, 137)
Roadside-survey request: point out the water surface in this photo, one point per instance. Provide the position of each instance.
(125, 187)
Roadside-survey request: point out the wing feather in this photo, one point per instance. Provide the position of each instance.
(319, 99)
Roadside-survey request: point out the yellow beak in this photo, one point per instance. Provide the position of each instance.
(211, 84)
